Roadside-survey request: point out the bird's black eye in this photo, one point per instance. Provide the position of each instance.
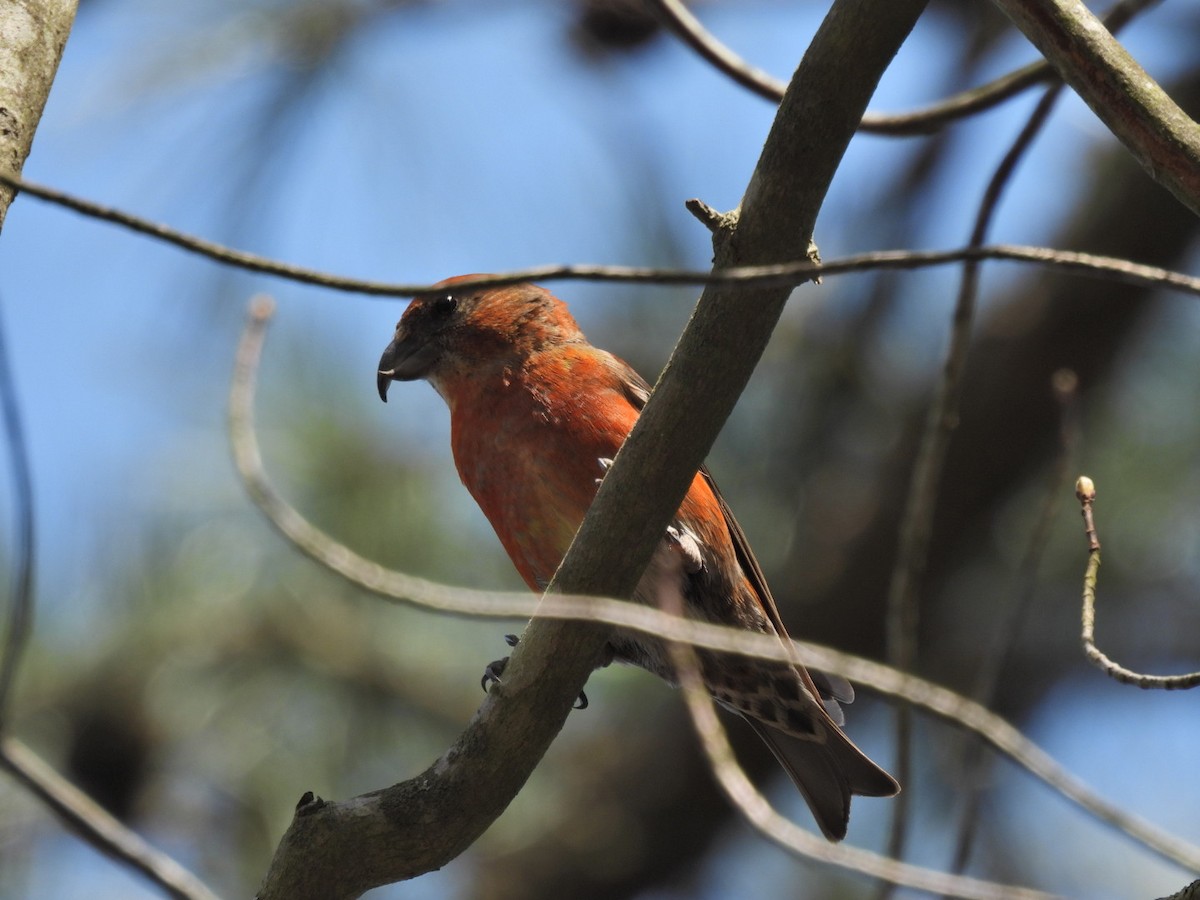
(443, 306)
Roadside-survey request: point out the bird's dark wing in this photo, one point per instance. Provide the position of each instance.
(831, 689)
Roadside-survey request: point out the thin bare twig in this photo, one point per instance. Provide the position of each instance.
(1085, 492)
(759, 812)
(792, 273)
(678, 19)
(1002, 736)
(987, 96)
(916, 528)
(82, 815)
(20, 617)
(399, 587)
(931, 119)
(1064, 386)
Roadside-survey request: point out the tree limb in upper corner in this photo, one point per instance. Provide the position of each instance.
(1163, 138)
(32, 37)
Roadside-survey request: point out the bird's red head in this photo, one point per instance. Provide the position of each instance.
(453, 330)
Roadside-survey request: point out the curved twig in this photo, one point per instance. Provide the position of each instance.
(676, 17)
(931, 119)
(20, 618)
(400, 587)
(1064, 385)
(916, 527)
(759, 812)
(1085, 492)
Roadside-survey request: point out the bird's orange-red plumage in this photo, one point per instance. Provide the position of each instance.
(537, 413)
(500, 438)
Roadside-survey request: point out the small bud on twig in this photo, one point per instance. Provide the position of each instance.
(1065, 384)
(1085, 489)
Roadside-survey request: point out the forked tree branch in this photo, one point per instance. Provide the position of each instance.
(340, 850)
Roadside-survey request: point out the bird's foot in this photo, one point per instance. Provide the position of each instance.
(495, 669)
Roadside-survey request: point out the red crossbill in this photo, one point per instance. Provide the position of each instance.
(536, 416)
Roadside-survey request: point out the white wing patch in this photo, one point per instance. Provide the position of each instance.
(677, 557)
(685, 543)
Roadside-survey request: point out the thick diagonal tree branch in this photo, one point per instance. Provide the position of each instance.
(1163, 138)
(341, 849)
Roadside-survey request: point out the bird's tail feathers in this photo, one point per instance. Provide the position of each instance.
(827, 773)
